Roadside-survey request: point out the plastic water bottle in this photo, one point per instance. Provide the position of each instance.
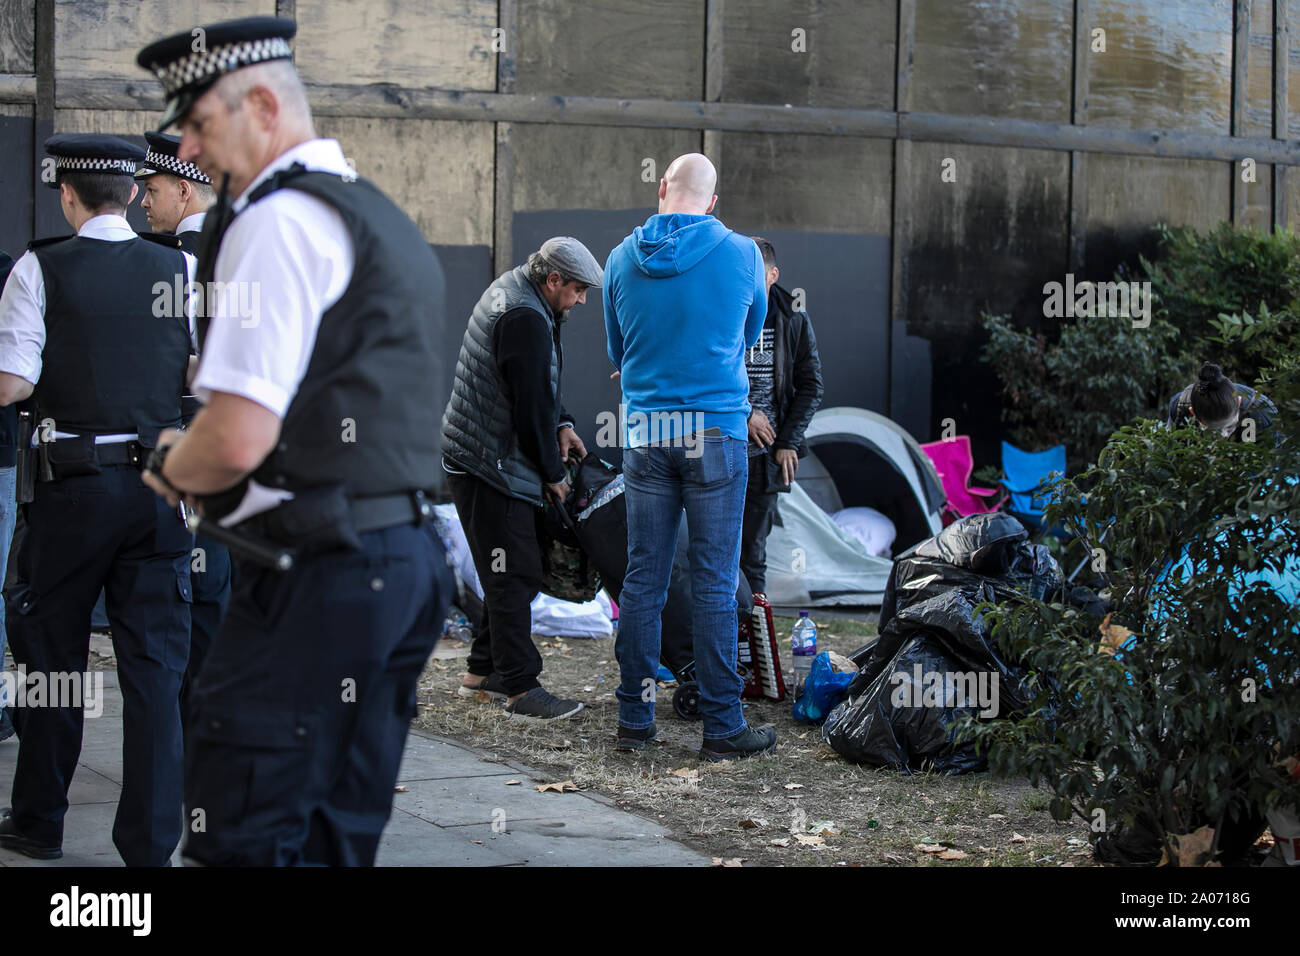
(803, 644)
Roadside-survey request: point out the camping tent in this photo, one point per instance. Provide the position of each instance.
(856, 459)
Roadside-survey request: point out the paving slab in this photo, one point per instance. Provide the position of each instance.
(455, 810)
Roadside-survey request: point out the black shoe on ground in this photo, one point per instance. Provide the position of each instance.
(539, 704)
(629, 739)
(748, 743)
(11, 839)
(490, 688)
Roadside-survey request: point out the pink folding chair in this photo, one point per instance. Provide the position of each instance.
(954, 462)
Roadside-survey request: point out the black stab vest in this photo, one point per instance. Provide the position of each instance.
(116, 339)
(366, 412)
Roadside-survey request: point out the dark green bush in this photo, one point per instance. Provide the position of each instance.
(1183, 728)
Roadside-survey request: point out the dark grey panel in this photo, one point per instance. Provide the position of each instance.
(468, 270)
(846, 283)
(16, 183)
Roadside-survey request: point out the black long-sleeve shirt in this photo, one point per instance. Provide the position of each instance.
(522, 344)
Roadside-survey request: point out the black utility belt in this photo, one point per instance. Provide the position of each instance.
(323, 519)
(70, 457)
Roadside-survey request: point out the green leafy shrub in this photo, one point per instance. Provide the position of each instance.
(1172, 714)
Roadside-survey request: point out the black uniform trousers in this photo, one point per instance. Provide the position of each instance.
(303, 705)
(83, 533)
(756, 523)
(210, 573)
(502, 536)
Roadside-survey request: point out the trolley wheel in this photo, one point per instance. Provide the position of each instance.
(686, 701)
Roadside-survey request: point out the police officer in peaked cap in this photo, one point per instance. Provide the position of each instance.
(320, 378)
(101, 367)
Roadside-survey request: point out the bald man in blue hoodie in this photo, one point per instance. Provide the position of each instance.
(684, 297)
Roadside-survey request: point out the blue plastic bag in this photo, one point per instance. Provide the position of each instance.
(822, 691)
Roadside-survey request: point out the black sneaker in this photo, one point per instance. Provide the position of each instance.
(539, 704)
(629, 739)
(748, 743)
(11, 839)
(490, 689)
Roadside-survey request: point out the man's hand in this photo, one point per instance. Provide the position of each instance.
(559, 491)
(166, 438)
(571, 445)
(760, 429)
(788, 459)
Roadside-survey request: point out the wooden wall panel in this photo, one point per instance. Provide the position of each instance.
(993, 58)
(592, 167)
(848, 60)
(439, 172)
(17, 36)
(98, 39)
(612, 48)
(1167, 65)
(445, 44)
(806, 183)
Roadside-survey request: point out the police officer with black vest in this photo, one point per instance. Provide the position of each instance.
(101, 363)
(176, 200)
(317, 372)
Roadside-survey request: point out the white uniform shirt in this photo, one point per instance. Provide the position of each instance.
(22, 307)
(192, 223)
(283, 263)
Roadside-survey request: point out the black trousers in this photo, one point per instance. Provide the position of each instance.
(303, 705)
(756, 524)
(502, 536)
(86, 533)
(210, 579)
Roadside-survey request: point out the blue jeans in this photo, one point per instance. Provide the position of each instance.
(8, 514)
(709, 482)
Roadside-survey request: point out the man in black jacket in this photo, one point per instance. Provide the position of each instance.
(785, 391)
(505, 437)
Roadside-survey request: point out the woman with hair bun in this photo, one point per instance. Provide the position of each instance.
(1220, 405)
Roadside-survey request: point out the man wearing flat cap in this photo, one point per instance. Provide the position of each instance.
(505, 438)
(176, 200)
(317, 369)
(101, 368)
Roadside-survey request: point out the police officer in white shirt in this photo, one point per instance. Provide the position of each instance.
(101, 360)
(320, 379)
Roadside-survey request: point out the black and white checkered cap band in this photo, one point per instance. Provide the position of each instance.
(81, 163)
(205, 65)
(170, 164)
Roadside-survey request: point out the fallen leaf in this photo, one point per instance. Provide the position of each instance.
(736, 861)
(688, 773)
(842, 665)
(399, 789)
(752, 824)
(1017, 838)
(952, 855)
(1193, 847)
(562, 745)
(824, 828)
(931, 847)
(512, 783)
(804, 839)
(794, 786)
(1112, 636)
(782, 841)
(564, 786)
(997, 816)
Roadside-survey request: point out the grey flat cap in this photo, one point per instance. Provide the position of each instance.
(570, 256)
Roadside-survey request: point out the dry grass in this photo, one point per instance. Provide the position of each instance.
(862, 816)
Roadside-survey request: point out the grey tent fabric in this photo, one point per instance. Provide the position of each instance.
(856, 458)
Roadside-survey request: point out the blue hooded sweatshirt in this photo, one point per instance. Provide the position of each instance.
(684, 297)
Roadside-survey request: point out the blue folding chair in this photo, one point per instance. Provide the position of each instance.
(1026, 478)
